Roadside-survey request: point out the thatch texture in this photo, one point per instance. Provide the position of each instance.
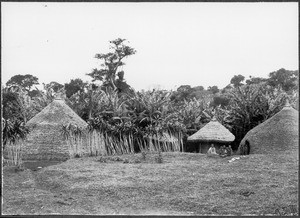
(45, 140)
(277, 134)
(212, 132)
(57, 113)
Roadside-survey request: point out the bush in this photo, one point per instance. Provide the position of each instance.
(13, 131)
(13, 135)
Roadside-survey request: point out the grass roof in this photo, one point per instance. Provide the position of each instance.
(57, 113)
(213, 132)
(45, 140)
(277, 134)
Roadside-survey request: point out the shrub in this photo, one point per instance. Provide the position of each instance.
(13, 135)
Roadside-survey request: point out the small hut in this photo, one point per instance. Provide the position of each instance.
(212, 133)
(45, 140)
(276, 135)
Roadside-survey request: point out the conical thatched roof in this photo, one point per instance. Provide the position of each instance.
(57, 113)
(213, 132)
(277, 134)
(45, 140)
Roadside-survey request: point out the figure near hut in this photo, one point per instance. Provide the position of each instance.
(225, 151)
(212, 151)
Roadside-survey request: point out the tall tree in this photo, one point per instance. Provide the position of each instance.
(285, 79)
(25, 81)
(237, 80)
(10, 105)
(226, 88)
(219, 100)
(198, 88)
(74, 86)
(122, 86)
(86, 102)
(17, 105)
(55, 86)
(183, 93)
(255, 80)
(213, 89)
(112, 61)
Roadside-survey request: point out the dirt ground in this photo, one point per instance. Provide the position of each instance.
(183, 184)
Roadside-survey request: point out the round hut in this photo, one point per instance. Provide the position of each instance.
(212, 133)
(277, 134)
(45, 140)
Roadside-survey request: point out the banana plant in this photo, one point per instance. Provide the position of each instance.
(12, 131)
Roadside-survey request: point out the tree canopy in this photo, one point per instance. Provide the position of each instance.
(237, 80)
(285, 79)
(55, 86)
(239, 106)
(110, 73)
(255, 80)
(25, 81)
(74, 86)
(213, 89)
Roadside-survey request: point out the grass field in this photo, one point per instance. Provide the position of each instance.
(184, 184)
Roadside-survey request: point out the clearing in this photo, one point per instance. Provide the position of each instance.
(184, 184)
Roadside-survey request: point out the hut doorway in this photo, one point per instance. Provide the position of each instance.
(247, 147)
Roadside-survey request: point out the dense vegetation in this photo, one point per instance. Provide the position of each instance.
(114, 108)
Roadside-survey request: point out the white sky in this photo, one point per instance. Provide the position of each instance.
(177, 43)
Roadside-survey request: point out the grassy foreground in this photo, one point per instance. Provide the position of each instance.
(185, 183)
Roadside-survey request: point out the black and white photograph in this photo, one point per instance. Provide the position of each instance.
(150, 108)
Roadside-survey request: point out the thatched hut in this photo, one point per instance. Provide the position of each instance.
(45, 140)
(212, 133)
(276, 135)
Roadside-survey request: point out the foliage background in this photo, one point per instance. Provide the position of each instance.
(110, 105)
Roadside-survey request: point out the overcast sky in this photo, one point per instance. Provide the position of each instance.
(177, 43)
